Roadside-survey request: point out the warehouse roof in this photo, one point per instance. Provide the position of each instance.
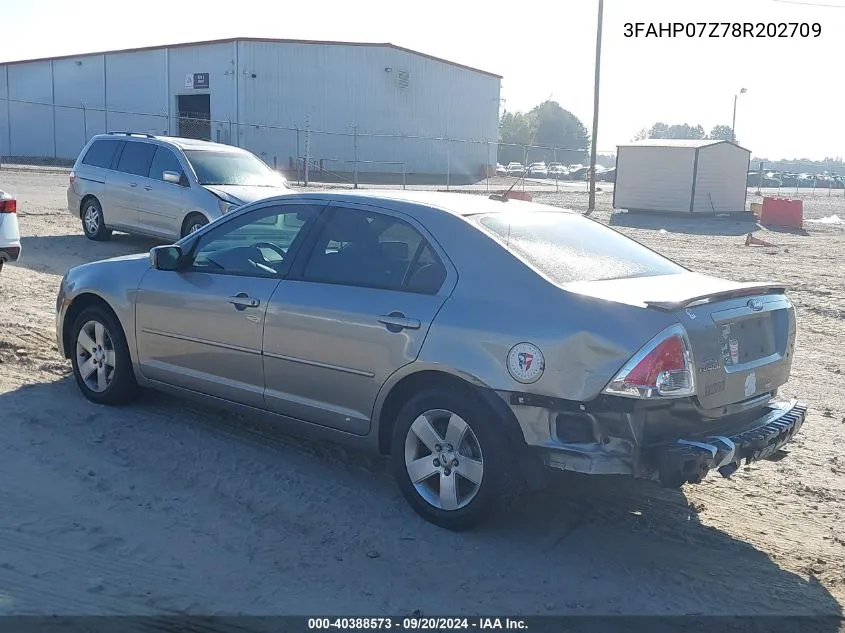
(678, 142)
(232, 40)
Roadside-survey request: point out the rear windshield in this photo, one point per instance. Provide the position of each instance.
(567, 247)
(232, 168)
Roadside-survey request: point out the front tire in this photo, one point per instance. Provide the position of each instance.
(93, 221)
(194, 222)
(449, 458)
(102, 365)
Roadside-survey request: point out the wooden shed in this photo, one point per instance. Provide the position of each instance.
(681, 176)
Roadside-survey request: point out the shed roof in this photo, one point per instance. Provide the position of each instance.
(680, 142)
(232, 40)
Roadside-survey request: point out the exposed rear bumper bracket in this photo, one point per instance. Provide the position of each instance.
(689, 460)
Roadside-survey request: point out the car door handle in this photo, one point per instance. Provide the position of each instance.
(399, 321)
(242, 300)
(147, 187)
(133, 184)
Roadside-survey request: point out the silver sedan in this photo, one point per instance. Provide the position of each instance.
(478, 341)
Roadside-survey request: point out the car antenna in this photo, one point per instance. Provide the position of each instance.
(503, 197)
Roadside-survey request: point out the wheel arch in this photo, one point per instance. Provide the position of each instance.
(79, 304)
(190, 214)
(395, 395)
(86, 198)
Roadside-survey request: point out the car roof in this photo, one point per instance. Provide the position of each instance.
(177, 141)
(459, 204)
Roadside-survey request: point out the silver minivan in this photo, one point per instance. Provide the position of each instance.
(163, 186)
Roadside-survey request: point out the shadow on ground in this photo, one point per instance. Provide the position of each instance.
(585, 546)
(680, 224)
(55, 254)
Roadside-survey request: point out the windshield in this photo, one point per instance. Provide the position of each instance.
(232, 168)
(567, 247)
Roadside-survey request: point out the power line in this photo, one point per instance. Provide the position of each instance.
(812, 4)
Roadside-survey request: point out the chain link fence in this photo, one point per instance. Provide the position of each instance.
(33, 132)
(796, 177)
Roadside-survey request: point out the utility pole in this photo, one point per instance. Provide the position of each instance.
(733, 120)
(593, 147)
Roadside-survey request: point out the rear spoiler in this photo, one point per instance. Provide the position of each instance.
(741, 290)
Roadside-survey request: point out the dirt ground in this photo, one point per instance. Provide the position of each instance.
(167, 507)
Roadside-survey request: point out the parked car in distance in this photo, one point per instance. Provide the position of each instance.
(501, 170)
(365, 317)
(10, 237)
(607, 175)
(557, 170)
(516, 169)
(164, 187)
(538, 170)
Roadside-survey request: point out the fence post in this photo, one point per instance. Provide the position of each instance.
(84, 125)
(448, 165)
(524, 165)
(355, 148)
(307, 146)
(557, 175)
(487, 168)
(298, 154)
(403, 176)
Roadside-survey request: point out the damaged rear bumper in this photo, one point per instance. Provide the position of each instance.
(690, 459)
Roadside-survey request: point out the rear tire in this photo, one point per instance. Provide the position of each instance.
(99, 355)
(93, 221)
(449, 458)
(193, 222)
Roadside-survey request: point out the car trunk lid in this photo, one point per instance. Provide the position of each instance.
(742, 334)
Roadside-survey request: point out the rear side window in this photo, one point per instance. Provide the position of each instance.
(100, 154)
(137, 158)
(567, 247)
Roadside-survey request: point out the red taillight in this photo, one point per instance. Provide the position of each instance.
(72, 178)
(667, 356)
(8, 205)
(663, 368)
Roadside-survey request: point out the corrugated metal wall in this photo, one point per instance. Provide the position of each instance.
(721, 180)
(654, 178)
(218, 60)
(403, 105)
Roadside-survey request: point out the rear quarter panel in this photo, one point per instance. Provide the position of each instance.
(499, 301)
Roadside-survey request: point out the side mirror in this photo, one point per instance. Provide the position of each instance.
(172, 176)
(166, 257)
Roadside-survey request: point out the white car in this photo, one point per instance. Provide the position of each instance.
(10, 237)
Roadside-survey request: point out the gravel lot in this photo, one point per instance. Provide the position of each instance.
(163, 507)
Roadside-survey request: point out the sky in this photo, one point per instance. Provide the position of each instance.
(791, 107)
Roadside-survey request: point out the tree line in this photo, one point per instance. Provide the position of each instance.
(549, 133)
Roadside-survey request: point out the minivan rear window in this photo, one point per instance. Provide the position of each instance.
(100, 154)
(567, 247)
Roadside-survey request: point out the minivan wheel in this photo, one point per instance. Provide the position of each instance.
(192, 223)
(93, 222)
(102, 365)
(449, 459)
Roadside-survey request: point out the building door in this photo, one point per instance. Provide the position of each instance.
(194, 116)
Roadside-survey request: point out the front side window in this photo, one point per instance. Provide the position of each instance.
(567, 247)
(136, 158)
(232, 168)
(256, 244)
(373, 250)
(164, 160)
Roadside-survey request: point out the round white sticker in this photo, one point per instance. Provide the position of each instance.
(526, 362)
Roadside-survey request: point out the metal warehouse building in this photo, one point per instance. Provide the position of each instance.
(381, 107)
(694, 176)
